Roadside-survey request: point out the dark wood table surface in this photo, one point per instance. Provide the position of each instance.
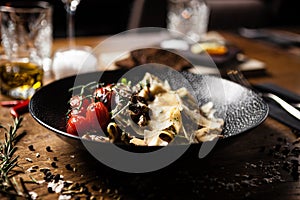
(259, 164)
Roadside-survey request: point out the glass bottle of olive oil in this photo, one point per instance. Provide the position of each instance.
(20, 80)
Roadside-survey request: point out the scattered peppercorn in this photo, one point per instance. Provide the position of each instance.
(31, 148)
(53, 164)
(50, 190)
(45, 170)
(48, 148)
(69, 167)
(56, 178)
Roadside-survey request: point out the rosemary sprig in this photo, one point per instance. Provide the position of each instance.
(83, 89)
(89, 86)
(8, 161)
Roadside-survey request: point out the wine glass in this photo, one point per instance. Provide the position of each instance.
(71, 7)
(73, 59)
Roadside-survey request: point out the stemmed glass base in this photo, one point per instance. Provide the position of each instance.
(73, 59)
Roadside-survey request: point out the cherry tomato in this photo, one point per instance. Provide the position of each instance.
(77, 124)
(97, 114)
(79, 105)
(104, 95)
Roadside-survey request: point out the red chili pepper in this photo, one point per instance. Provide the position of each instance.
(20, 108)
(11, 103)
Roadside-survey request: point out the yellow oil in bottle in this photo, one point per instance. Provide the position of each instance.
(20, 79)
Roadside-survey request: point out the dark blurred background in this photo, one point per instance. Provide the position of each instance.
(93, 17)
(99, 17)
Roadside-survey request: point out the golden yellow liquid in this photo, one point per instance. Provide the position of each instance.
(20, 80)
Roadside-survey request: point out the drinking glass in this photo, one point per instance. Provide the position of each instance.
(71, 7)
(188, 17)
(26, 33)
(72, 59)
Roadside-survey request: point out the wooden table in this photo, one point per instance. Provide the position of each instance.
(253, 165)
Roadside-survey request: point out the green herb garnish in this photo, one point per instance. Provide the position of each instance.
(9, 162)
